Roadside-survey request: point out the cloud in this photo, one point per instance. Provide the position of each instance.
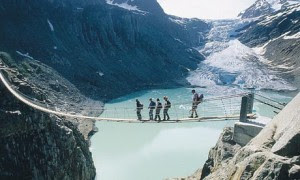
(205, 9)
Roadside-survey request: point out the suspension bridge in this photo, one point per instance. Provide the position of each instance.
(230, 107)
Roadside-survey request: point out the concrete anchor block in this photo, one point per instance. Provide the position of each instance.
(244, 132)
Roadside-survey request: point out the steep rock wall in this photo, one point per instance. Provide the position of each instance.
(35, 145)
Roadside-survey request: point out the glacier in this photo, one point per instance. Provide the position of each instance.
(230, 63)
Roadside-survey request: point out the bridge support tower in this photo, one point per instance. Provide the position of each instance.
(246, 106)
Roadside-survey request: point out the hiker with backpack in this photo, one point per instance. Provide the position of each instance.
(151, 107)
(167, 106)
(139, 108)
(197, 99)
(158, 109)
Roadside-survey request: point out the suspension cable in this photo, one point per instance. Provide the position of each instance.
(283, 104)
(267, 104)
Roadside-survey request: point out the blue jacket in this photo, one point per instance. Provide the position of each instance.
(152, 105)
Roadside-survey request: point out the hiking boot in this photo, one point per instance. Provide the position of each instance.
(191, 116)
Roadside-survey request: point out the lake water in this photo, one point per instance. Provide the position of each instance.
(148, 151)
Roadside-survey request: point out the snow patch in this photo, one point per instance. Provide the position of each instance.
(50, 25)
(68, 130)
(176, 39)
(14, 112)
(295, 36)
(179, 21)
(279, 4)
(126, 6)
(100, 73)
(24, 55)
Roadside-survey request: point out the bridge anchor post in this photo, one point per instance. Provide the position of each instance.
(246, 107)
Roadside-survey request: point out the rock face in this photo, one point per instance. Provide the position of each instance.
(35, 145)
(224, 150)
(99, 46)
(273, 154)
(277, 38)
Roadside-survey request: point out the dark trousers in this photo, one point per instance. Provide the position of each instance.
(138, 113)
(157, 115)
(151, 114)
(166, 115)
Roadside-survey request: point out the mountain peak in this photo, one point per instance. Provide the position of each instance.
(265, 7)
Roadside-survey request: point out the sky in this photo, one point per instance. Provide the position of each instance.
(205, 9)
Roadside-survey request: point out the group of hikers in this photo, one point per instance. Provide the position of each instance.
(157, 106)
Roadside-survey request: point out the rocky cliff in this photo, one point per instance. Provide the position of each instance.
(35, 145)
(104, 48)
(273, 154)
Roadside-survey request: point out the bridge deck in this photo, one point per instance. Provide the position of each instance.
(182, 120)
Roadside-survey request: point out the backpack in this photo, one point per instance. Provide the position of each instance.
(159, 105)
(152, 105)
(168, 104)
(140, 106)
(200, 98)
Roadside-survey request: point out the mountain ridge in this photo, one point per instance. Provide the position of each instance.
(93, 44)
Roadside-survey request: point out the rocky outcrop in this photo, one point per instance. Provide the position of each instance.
(42, 83)
(35, 145)
(221, 153)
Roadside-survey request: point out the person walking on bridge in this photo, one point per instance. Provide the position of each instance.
(158, 109)
(167, 106)
(151, 108)
(196, 101)
(139, 108)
